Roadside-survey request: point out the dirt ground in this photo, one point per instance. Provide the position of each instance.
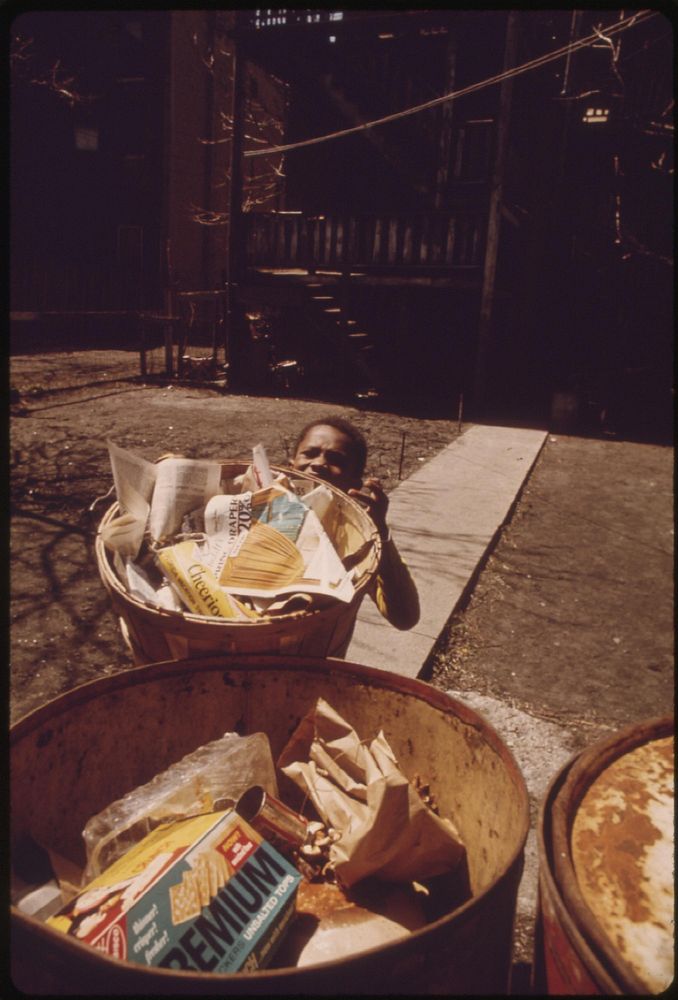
(572, 617)
(65, 406)
(570, 620)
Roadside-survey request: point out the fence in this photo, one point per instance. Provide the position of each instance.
(53, 285)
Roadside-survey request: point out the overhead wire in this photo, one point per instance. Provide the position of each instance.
(638, 17)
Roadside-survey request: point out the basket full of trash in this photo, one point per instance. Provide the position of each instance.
(205, 556)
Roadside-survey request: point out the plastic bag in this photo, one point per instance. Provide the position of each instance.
(220, 771)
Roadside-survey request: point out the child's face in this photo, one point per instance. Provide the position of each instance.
(329, 454)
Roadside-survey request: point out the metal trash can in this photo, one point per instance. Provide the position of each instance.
(605, 920)
(76, 754)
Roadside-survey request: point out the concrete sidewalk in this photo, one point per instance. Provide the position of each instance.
(443, 520)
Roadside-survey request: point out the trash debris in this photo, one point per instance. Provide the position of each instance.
(218, 772)
(223, 554)
(278, 824)
(206, 867)
(203, 893)
(356, 786)
(42, 902)
(331, 924)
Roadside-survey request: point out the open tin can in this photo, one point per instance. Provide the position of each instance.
(281, 826)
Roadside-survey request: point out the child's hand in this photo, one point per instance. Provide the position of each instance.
(375, 501)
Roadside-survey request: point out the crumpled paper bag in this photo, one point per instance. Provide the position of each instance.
(357, 788)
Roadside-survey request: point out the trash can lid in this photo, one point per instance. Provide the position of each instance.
(622, 853)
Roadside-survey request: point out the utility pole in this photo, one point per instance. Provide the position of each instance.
(207, 250)
(233, 333)
(494, 220)
(446, 123)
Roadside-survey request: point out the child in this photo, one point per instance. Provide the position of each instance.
(333, 449)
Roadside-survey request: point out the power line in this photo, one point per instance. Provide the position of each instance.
(628, 22)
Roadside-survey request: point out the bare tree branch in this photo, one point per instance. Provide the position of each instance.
(22, 62)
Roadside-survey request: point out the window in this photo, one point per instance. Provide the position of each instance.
(592, 115)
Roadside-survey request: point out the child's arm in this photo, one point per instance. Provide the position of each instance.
(393, 591)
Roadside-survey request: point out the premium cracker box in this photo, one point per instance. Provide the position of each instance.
(205, 893)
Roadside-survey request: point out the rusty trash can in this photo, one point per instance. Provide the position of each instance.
(73, 756)
(605, 838)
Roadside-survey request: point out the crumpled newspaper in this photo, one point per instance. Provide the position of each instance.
(357, 788)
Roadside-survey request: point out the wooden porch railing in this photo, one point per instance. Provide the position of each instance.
(414, 241)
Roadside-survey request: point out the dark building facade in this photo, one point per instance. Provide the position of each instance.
(498, 248)
(118, 145)
(87, 157)
(513, 245)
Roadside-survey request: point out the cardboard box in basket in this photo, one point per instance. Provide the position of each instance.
(205, 893)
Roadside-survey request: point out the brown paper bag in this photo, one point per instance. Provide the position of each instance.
(357, 788)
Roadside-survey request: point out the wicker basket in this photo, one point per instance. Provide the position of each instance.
(155, 634)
